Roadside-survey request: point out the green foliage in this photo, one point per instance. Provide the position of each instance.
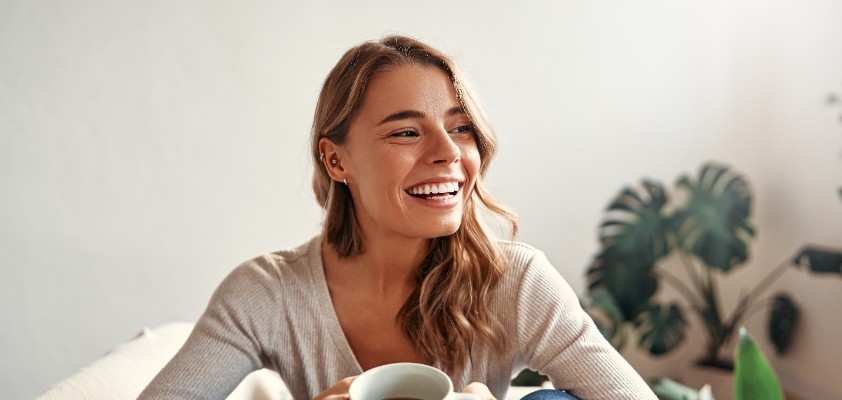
(641, 229)
(783, 321)
(709, 229)
(754, 378)
(630, 282)
(819, 260)
(668, 389)
(714, 224)
(661, 328)
(528, 377)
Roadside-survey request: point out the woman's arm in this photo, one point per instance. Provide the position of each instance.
(227, 342)
(558, 339)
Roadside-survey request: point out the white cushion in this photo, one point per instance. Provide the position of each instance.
(126, 370)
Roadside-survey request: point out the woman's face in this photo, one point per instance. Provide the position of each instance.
(411, 158)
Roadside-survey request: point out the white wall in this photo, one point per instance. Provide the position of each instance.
(147, 147)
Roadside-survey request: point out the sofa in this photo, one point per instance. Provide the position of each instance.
(125, 370)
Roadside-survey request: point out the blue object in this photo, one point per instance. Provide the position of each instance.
(549, 394)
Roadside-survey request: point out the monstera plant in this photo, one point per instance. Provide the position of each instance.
(704, 228)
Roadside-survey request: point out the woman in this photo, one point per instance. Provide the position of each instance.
(404, 270)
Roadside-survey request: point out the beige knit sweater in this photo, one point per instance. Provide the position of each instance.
(275, 311)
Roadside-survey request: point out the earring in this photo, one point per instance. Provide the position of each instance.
(334, 161)
(321, 156)
(345, 181)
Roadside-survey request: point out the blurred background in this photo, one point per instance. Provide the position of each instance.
(148, 147)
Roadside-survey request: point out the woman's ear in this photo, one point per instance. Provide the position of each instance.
(329, 157)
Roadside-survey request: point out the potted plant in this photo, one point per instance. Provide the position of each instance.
(754, 378)
(707, 227)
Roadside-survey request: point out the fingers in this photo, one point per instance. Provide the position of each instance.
(480, 390)
(339, 391)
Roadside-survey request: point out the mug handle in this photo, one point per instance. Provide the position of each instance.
(465, 396)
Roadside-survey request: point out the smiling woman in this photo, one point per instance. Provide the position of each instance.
(404, 270)
(410, 133)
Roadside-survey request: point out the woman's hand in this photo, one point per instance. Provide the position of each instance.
(480, 390)
(339, 391)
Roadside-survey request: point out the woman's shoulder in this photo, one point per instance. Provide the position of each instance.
(283, 259)
(526, 264)
(278, 266)
(515, 246)
(308, 252)
(518, 255)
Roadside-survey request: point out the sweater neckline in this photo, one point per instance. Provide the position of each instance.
(328, 312)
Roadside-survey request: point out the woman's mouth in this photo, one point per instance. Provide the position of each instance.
(435, 191)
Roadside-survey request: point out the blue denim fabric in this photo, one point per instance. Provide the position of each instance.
(549, 394)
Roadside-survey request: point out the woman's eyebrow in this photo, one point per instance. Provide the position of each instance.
(455, 111)
(409, 114)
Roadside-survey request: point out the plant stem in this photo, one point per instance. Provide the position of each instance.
(748, 300)
(757, 306)
(766, 282)
(685, 291)
(691, 270)
(719, 332)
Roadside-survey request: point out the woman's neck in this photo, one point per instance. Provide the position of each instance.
(386, 267)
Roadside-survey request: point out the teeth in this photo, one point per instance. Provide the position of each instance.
(447, 187)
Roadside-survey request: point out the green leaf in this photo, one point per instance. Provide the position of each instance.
(528, 377)
(629, 282)
(820, 260)
(662, 329)
(714, 224)
(634, 236)
(636, 224)
(754, 378)
(668, 389)
(783, 322)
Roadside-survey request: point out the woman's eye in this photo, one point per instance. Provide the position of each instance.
(463, 129)
(404, 134)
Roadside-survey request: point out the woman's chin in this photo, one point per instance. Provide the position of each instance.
(427, 226)
(444, 228)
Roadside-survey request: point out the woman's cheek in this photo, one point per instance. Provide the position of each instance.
(471, 158)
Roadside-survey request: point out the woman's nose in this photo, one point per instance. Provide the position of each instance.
(443, 150)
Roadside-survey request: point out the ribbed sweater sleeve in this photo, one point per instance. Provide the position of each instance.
(228, 342)
(558, 339)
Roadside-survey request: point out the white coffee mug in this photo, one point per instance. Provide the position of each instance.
(405, 381)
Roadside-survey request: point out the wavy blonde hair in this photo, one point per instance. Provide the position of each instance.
(448, 311)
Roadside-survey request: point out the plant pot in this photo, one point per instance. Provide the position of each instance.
(721, 381)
